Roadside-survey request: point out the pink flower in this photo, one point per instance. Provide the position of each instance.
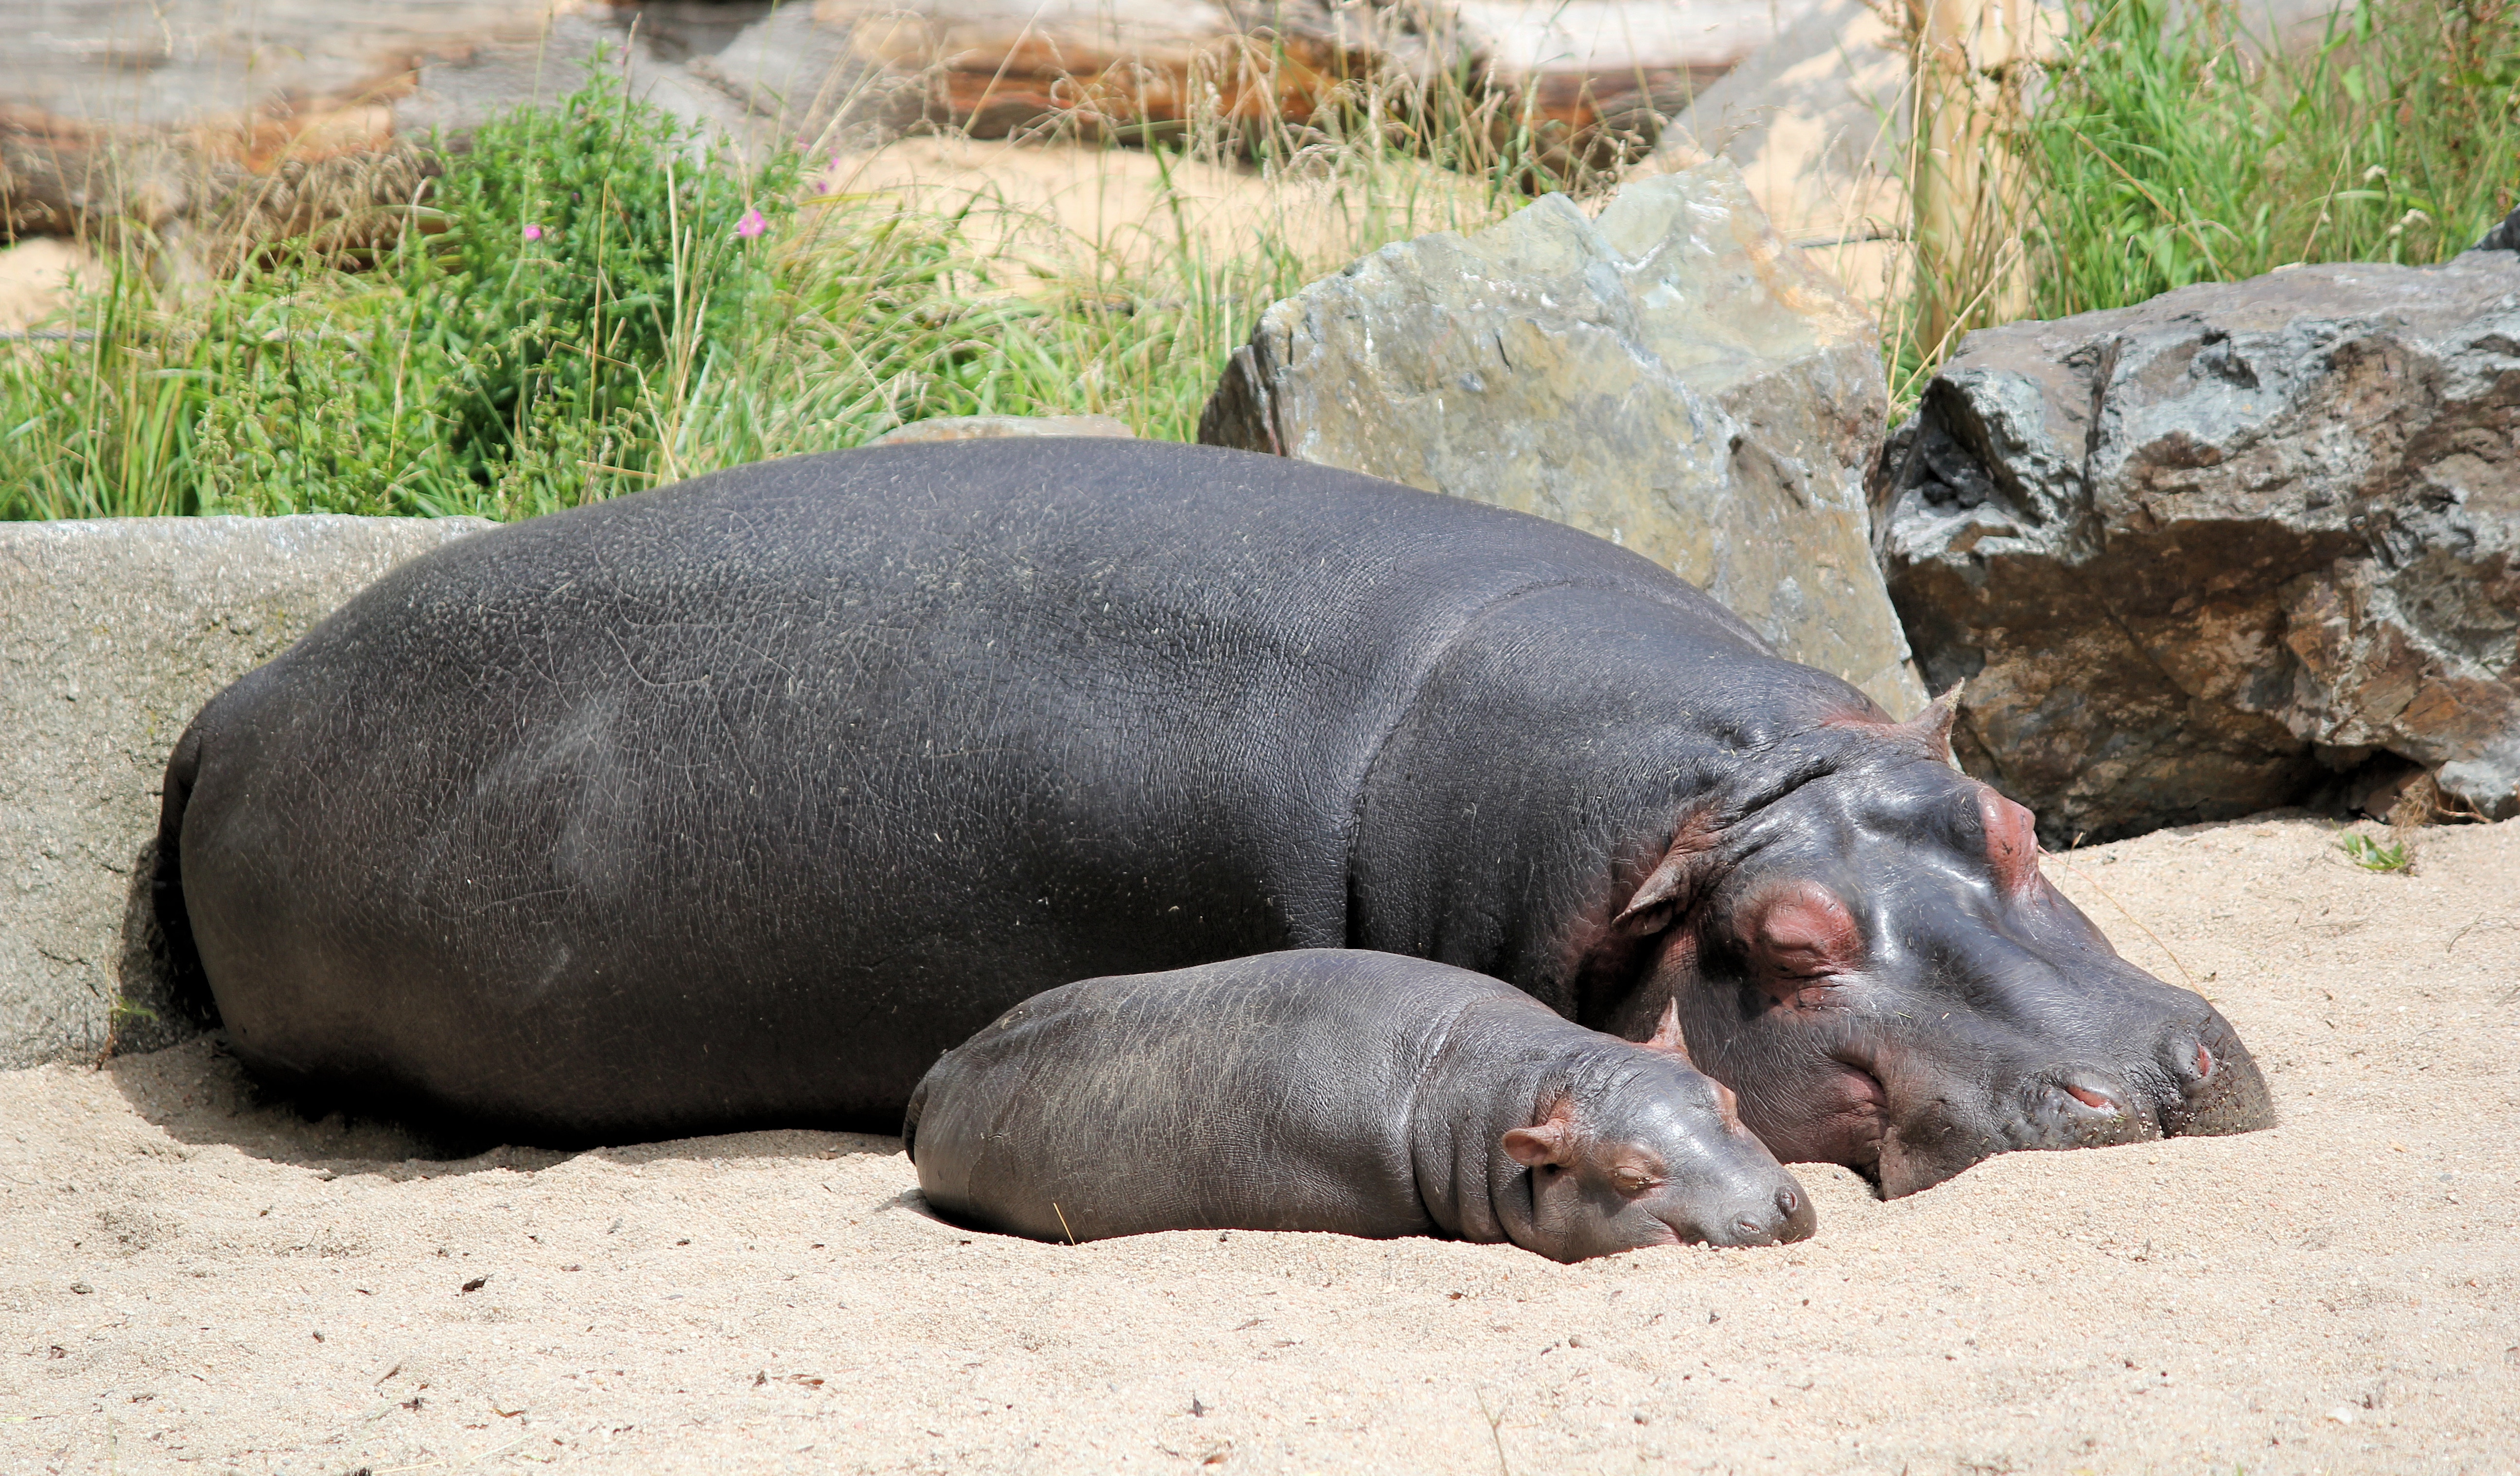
(751, 225)
(533, 232)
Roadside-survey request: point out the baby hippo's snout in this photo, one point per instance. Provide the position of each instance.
(1784, 1217)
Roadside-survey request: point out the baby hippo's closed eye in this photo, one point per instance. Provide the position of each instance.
(1336, 1089)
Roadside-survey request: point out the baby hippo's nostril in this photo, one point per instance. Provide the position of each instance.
(1751, 1230)
(2204, 1063)
(1787, 1201)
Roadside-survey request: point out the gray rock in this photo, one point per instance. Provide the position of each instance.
(1671, 376)
(499, 74)
(984, 427)
(2218, 552)
(810, 78)
(1813, 120)
(111, 635)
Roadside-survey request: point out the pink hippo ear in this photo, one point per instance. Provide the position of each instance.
(1550, 1140)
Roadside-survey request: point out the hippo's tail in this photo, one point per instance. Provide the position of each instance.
(182, 984)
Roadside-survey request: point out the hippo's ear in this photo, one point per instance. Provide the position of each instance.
(1667, 1035)
(1551, 1140)
(1670, 887)
(1933, 726)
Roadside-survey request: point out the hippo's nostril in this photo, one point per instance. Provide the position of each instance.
(2204, 1063)
(1749, 1226)
(1787, 1201)
(2097, 1102)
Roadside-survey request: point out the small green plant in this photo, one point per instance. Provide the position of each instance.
(511, 354)
(2372, 856)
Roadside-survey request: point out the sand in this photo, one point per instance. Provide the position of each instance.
(35, 280)
(197, 1280)
(1051, 216)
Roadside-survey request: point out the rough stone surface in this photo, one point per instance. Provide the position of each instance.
(111, 635)
(2221, 551)
(1812, 119)
(1670, 376)
(984, 427)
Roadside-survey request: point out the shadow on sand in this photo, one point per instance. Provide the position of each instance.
(199, 1095)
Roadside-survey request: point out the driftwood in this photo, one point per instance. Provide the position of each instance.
(336, 175)
(1560, 87)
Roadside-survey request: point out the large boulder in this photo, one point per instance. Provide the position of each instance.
(2227, 550)
(113, 633)
(1812, 119)
(1669, 376)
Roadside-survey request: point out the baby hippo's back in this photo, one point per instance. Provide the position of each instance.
(1268, 1092)
(1321, 1089)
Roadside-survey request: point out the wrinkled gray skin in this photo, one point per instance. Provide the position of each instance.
(1335, 1090)
(738, 803)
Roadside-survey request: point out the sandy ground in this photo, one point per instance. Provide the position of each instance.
(35, 277)
(198, 1282)
(1065, 212)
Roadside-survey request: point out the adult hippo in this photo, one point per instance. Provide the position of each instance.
(742, 801)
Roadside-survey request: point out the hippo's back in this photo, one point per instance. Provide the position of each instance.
(739, 801)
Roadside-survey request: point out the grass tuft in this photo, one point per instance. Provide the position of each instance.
(2372, 856)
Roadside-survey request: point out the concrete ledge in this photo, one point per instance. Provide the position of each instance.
(113, 633)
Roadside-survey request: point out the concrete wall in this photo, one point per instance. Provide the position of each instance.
(113, 633)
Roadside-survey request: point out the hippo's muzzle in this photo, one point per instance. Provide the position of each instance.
(2197, 1081)
(2200, 1081)
(1781, 1219)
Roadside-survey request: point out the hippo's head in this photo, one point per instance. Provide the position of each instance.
(1871, 955)
(1652, 1153)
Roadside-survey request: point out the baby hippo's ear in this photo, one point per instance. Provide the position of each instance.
(1667, 1037)
(1550, 1140)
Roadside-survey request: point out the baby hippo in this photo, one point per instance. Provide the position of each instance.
(1338, 1090)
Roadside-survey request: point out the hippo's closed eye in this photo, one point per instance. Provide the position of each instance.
(1632, 1179)
(1801, 935)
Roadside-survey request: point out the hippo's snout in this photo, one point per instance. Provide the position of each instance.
(2084, 1109)
(2198, 1081)
(2219, 1087)
(1779, 1218)
(2193, 1079)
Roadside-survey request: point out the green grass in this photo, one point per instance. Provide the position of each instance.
(2169, 157)
(2165, 156)
(588, 302)
(2372, 856)
(581, 304)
